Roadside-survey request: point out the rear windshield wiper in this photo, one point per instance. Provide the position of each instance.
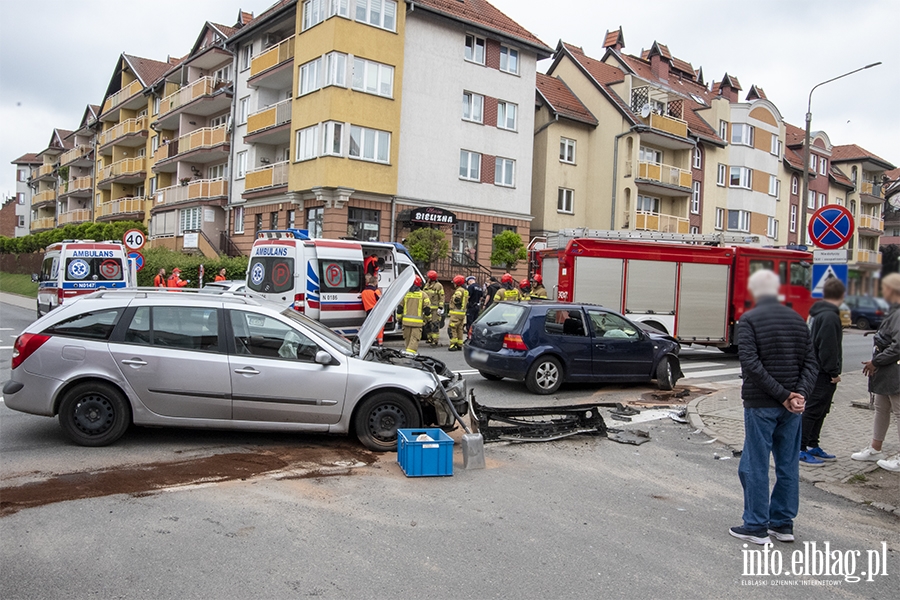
(495, 323)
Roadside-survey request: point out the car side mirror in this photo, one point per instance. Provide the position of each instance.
(323, 358)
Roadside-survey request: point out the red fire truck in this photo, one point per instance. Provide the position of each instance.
(694, 291)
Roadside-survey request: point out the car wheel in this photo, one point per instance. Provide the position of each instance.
(94, 414)
(545, 376)
(665, 374)
(379, 418)
(39, 313)
(863, 323)
(490, 376)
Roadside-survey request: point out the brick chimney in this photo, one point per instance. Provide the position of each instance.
(729, 88)
(660, 61)
(615, 40)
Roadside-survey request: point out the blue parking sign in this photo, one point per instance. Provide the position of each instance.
(821, 274)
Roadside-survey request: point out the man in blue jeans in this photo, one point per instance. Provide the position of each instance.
(779, 369)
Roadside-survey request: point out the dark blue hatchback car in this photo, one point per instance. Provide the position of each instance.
(546, 343)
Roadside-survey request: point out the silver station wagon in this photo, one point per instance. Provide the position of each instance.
(182, 359)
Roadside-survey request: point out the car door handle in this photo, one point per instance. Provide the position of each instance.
(134, 362)
(247, 371)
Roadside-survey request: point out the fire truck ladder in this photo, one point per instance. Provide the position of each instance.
(564, 236)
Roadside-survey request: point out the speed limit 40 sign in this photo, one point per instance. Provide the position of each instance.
(134, 239)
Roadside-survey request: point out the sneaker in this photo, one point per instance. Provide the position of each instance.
(820, 454)
(870, 454)
(782, 534)
(890, 465)
(757, 537)
(809, 460)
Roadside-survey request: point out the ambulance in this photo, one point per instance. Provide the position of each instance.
(323, 278)
(72, 268)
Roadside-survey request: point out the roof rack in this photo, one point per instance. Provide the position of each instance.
(147, 292)
(560, 239)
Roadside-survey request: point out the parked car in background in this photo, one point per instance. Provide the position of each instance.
(221, 361)
(846, 318)
(546, 344)
(229, 285)
(866, 312)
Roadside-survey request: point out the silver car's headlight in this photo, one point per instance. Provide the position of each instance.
(456, 390)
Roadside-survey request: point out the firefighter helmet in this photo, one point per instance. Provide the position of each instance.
(538, 279)
(507, 278)
(524, 284)
(432, 275)
(417, 281)
(459, 280)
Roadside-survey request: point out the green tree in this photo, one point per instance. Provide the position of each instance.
(508, 250)
(427, 245)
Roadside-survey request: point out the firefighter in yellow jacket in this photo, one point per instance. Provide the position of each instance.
(537, 288)
(458, 304)
(508, 290)
(435, 292)
(416, 309)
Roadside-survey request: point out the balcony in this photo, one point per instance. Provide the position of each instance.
(649, 221)
(668, 124)
(44, 223)
(273, 57)
(128, 170)
(263, 126)
(868, 258)
(203, 189)
(870, 189)
(78, 156)
(123, 208)
(206, 87)
(81, 186)
(213, 139)
(871, 223)
(269, 176)
(45, 196)
(74, 216)
(663, 179)
(43, 172)
(122, 95)
(134, 129)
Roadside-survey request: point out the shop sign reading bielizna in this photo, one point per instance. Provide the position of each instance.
(432, 214)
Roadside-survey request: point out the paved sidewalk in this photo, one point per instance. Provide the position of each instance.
(18, 300)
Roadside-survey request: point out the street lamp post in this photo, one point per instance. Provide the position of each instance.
(804, 199)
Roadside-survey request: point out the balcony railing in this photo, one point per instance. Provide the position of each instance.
(664, 174)
(649, 221)
(45, 223)
(120, 207)
(202, 87)
(42, 171)
(74, 216)
(273, 57)
(669, 124)
(74, 154)
(122, 95)
(124, 128)
(208, 137)
(81, 184)
(43, 196)
(870, 188)
(195, 190)
(266, 177)
(271, 116)
(870, 222)
(126, 166)
(868, 256)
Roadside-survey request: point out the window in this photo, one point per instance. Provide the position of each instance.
(823, 166)
(776, 146)
(506, 115)
(738, 220)
(565, 203)
(720, 175)
(370, 144)
(651, 155)
(774, 186)
(373, 78)
(336, 69)
(363, 224)
(190, 219)
(154, 144)
(314, 220)
(240, 167)
(264, 337)
(465, 238)
(177, 327)
(740, 177)
(309, 77)
(332, 141)
(22, 175)
(720, 218)
(218, 121)
(812, 161)
(772, 228)
(469, 165)
(695, 230)
(246, 56)
(475, 49)
(853, 207)
(695, 198)
(794, 185)
(793, 223)
(223, 74)
(215, 171)
(723, 129)
(20, 198)
(811, 200)
(21, 219)
(273, 220)
(840, 202)
(96, 325)
(473, 107)
(257, 222)
(316, 11)
(741, 133)
(504, 172)
(822, 201)
(379, 13)
(509, 60)
(698, 158)
(567, 150)
(239, 219)
(648, 204)
(306, 143)
(156, 102)
(290, 218)
(243, 110)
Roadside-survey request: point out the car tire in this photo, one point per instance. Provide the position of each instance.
(94, 414)
(863, 323)
(545, 375)
(39, 313)
(380, 416)
(490, 376)
(665, 374)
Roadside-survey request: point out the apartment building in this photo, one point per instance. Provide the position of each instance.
(76, 172)
(45, 181)
(24, 165)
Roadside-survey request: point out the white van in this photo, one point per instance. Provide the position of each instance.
(322, 278)
(75, 267)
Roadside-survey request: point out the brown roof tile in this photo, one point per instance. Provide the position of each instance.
(563, 100)
(245, 17)
(793, 135)
(614, 37)
(150, 71)
(683, 66)
(837, 176)
(850, 152)
(27, 159)
(225, 29)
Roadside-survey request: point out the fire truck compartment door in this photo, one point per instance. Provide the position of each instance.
(703, 304)
(598, 281)
(550, 274)
(651, 287)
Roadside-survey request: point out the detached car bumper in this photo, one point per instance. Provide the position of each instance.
(505, 363)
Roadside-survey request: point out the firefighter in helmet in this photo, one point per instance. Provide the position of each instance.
(416, 310)
(538, 291)
(435, 292)
(508, 290)
(458, 304)
(524, 290)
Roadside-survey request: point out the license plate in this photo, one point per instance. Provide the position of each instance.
(478, 355)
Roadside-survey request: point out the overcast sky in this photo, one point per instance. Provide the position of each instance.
(56, 56)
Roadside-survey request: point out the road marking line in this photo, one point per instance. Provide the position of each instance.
(713, 373)
(6, 347)
(699, 365)
(468, 372)
(6, 328)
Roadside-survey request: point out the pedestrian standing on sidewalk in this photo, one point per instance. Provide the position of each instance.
(884, 377)
(827, 337)
(779, 368)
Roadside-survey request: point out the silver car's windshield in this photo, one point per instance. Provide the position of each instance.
(342, 344)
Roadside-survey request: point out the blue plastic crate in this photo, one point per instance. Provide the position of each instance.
(425, 459)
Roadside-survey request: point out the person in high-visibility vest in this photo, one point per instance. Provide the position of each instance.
(416, 309)
(175, 280)
(507, 290)
(435, 292)
(160, 279)
(370, 296)
(458, 304)
(524, 290)
(220, 276)
(538, 291)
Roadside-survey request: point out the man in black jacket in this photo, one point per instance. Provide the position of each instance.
(491, 291)
(827, 336)
(779, 370)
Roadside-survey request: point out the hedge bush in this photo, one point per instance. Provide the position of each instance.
(163, 258)
(36, 242)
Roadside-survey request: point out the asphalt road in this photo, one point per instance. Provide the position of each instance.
(160, 515)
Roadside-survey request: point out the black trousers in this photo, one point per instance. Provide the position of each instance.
(817, 406)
